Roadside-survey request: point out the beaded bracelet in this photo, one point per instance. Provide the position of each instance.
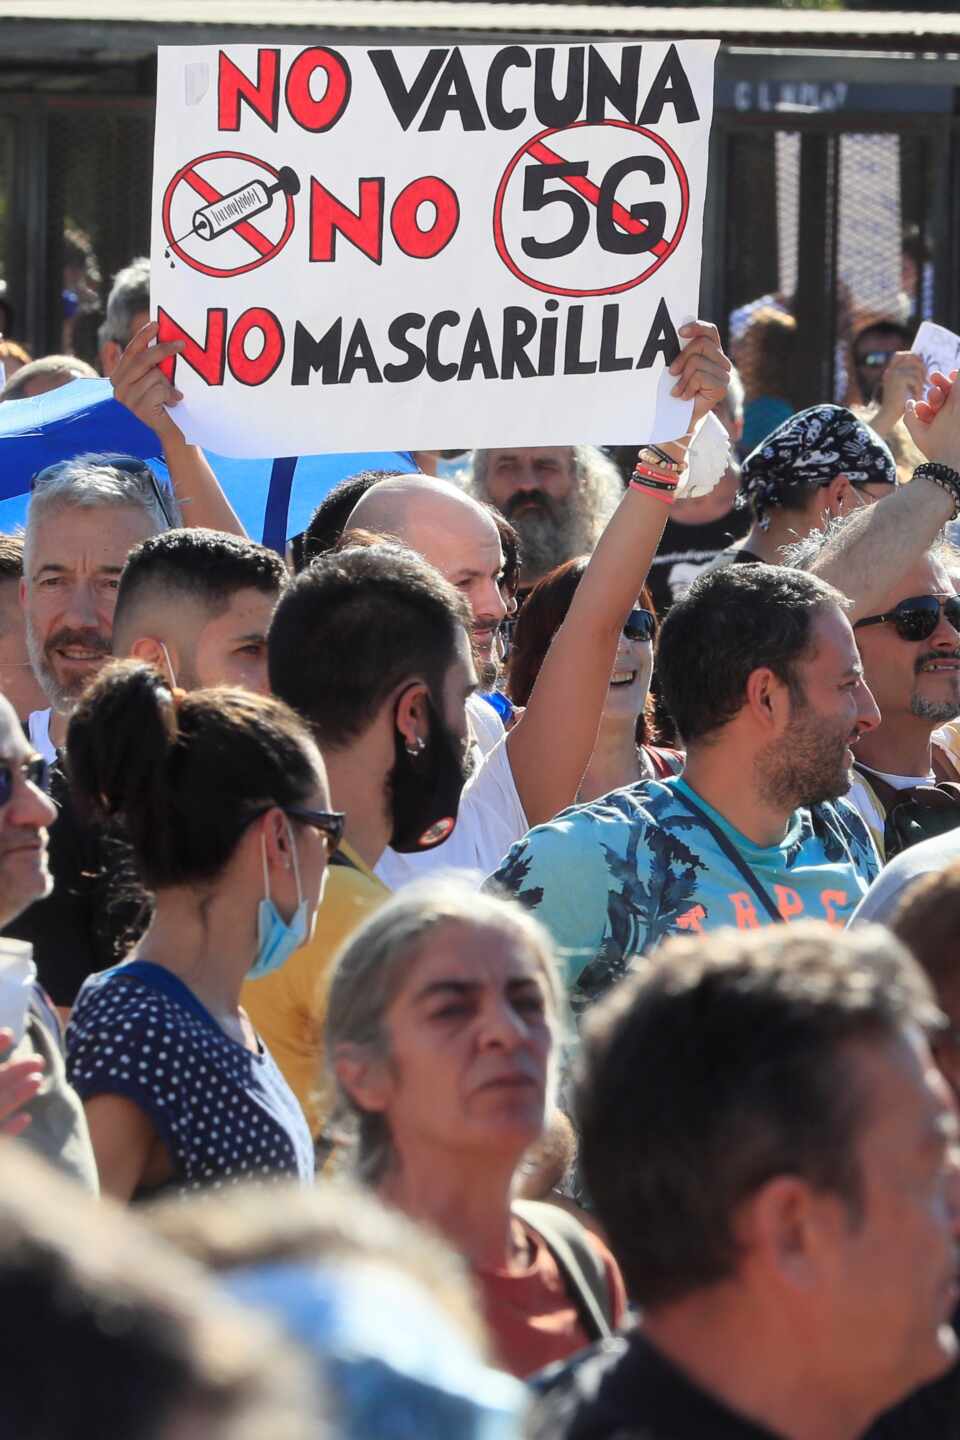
(942, 475)
(661, 459)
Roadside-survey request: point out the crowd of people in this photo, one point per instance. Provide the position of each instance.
(487, 971)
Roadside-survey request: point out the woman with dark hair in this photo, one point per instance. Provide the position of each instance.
(624, 752)
(223, 798)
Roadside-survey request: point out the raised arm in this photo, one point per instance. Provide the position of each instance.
(889, 537)
(141, 385)
(551, 745)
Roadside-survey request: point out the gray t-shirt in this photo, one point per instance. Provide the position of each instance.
(887, 890)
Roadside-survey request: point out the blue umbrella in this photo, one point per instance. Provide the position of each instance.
(273, 498)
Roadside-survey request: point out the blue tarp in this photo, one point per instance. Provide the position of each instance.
(273, 498)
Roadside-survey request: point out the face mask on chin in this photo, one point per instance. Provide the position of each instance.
(425, 787)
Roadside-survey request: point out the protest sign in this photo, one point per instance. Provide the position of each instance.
(428, 248)
(938, 348)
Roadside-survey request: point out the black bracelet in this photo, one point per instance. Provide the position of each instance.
(942, 475)
(647, 484)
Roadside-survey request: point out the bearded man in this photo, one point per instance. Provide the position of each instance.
(558, 498)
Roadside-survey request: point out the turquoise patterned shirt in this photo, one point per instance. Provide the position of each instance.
(613, 878)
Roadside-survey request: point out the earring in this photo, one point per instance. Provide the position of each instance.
(417, 748)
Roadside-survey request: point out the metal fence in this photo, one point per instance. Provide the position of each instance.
(830, 234)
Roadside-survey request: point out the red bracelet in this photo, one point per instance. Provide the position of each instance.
(671, 477)
(664, 493)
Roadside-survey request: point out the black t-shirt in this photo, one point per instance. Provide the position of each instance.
(95, 910)
(624, 1389)
(684, 550)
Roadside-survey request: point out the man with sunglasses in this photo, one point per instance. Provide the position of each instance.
(905, 614)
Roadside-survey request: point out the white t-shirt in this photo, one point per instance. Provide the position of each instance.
(38, 729)
(489, 821)
(485, 723)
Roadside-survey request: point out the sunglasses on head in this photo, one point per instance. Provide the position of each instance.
(917, 617)
(130, 465)
(640, 625)
(35, 772)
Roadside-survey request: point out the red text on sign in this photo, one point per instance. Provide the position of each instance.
(423, 219)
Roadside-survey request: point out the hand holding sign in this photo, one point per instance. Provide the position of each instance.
(141, 385)
(905, 378)
(937, 347)
(934, 423)
(702, 369)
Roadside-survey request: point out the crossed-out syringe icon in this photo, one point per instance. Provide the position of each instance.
(231, 210)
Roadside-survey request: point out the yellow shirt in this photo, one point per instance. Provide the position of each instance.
(289, 1007)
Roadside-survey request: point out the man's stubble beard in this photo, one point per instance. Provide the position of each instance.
(806, 767)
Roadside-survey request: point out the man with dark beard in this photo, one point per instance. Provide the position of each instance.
(558, 498)
(760, 671)
(370, 644)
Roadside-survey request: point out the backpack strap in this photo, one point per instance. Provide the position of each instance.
(580, 1265)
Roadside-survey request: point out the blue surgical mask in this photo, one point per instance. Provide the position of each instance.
(278, 938)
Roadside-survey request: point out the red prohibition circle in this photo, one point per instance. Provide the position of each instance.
(198, 264)
(499, 238)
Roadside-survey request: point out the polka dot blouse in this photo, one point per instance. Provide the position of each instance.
(225, 1114)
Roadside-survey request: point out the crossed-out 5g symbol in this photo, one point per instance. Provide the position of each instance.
(613, 198)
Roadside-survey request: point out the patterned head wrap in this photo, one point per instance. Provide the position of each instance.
(810, 449)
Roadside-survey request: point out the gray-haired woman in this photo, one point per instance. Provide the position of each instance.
(441, 1033)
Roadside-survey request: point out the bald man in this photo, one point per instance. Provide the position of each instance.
(536, 770)
(458, 537)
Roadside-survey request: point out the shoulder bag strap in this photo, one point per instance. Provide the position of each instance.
(733, 855)
(580, 1265)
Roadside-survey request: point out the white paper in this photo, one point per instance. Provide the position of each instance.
(258, 279)
(938, 347)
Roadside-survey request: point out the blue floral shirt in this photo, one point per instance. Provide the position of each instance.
(614, 878)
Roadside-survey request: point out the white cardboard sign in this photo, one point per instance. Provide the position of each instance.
(421, 248)
(938, 348)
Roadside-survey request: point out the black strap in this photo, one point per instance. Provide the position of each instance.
(732, 854)
(580, 1264)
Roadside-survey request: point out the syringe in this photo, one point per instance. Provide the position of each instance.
(249, 200)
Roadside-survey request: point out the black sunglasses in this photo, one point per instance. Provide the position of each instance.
(35, 772)
(330, 822)
(640, 625)
(917, 617)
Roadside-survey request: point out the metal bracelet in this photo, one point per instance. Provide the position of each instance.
(942, 475)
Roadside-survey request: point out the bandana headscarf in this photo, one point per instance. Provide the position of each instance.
(812, 448)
